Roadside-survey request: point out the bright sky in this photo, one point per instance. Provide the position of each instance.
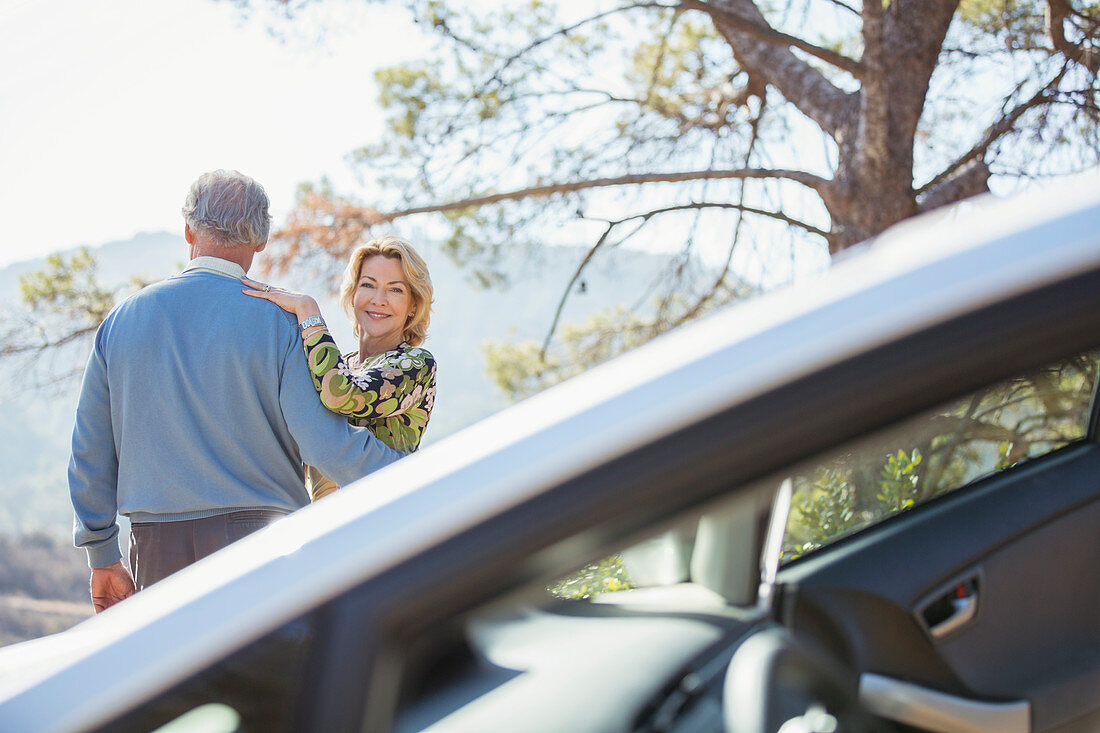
(110, 109)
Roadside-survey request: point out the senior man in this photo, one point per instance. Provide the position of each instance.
(197, 410)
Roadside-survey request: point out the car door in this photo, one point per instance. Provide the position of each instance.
(951, 558)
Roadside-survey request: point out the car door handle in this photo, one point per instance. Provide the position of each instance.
(951, 608)
(963, 611)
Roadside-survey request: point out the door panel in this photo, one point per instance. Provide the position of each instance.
(1028, 537)
(1038, 631)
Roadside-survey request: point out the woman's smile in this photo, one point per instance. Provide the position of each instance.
(382, 305)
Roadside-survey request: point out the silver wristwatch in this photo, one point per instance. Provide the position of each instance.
(313, 320)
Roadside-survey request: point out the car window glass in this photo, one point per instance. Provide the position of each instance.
(257, 688)
(922, 457)
(928, 455)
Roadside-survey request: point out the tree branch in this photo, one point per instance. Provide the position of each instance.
(874, 157)
(761, 31)
(13, 346)
(914, 34)
(371, 217)
(969, 180)
(993, 133)
(737, 229)
(740, 23)
(655, 72)
(777, 215)
(843, 6)
(497, 76)
(1081, 53)
(568, 288)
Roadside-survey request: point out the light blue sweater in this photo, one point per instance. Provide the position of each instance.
(197, 401)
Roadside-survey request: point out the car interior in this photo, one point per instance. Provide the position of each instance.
(818, 600)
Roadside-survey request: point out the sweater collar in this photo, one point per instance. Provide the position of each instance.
(216, 265)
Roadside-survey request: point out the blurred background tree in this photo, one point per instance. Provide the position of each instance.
(49, 337)
(732, 133)
(63, 305)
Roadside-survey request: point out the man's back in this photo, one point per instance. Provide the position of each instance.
(195, 369)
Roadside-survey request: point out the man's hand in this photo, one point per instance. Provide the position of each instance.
(111, 585)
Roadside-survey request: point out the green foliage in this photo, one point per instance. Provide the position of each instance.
(679, 75)
(898, 486)
(525, 368)
(1005, 16)
(535, 93)
(518, 368)
(406, 91)
(521, 369)
(571, 109)
(977, 435)
(68, 286)
(320, 187)
(825, 509)
(830, 506)
(606, 576)
(63, 305)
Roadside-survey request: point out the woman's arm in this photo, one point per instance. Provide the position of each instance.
(404, 379)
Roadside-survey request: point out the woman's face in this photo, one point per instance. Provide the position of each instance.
(382, 302)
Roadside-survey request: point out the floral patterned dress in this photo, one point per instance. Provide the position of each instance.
(391, 394)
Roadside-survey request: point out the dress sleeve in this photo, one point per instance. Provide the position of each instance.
(342, 452)
(404, 379)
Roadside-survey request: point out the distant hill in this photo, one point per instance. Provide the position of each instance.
(43, 587)
(35, 425)
(34, 567)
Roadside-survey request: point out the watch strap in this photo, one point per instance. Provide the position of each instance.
(311, 321)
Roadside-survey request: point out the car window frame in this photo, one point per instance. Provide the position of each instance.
(1092, 430)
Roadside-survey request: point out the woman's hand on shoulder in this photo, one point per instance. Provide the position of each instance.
(299, 304)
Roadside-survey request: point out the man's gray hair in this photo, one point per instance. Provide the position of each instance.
(229, 208)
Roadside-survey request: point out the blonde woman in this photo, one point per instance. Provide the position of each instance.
(388, 385)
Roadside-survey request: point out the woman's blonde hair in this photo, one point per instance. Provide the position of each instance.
(416, 273)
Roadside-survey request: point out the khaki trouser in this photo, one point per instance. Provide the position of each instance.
(158, 549)
(317, 485)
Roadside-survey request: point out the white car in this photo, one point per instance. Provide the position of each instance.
(866, 503)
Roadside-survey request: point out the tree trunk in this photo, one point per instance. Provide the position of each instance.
(874, 181)
(874, 128)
